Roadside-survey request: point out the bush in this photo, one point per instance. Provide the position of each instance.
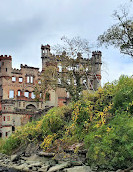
(110, 146)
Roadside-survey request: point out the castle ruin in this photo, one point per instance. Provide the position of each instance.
(17, 99)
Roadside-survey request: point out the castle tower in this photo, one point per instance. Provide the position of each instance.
(5, 65)
(45, 55)
(5, 70)
(96, 68)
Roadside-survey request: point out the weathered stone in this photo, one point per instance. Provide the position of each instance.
(43, 169)
(35, 164)
(20, 167)
(15, 157)
(76, 163)
(59, 167)
(78, 169)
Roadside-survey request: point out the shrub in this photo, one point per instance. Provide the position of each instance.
(110, 146)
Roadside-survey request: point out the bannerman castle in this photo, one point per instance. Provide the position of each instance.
(17, 100)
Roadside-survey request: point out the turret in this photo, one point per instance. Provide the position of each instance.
(96, 68)
(45, 54)
(5, 65)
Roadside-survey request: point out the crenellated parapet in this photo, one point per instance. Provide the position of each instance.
(28, 67)
(5, 57)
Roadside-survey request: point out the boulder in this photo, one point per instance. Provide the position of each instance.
(15, 157)
(78, 169)
(59, 167)
(43, 169)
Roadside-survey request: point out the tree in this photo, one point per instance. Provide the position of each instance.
(120, 35)
(70, 71)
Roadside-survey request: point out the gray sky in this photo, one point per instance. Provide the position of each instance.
(26, 24)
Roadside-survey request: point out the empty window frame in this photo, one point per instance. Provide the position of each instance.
(26, 94)
(20, 79)
(32, 95)
(60, 68)
(28, 79)
(11, 94)
(31, 79)
(19, 93)
(13, 78)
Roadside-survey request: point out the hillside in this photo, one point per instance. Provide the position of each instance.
(101, 123)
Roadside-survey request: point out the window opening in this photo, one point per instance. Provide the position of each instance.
(31, 79)
(26, 93)
(13, 78)
(28, 79)
(32, 95)
(20, 79)
(19, 92)
(11, 94)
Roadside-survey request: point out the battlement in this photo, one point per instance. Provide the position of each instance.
(5, 57)
(96, 53)
(16, 71)
(29, 67)
(45, 46)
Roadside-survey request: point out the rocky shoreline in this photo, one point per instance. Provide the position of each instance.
(33, 159)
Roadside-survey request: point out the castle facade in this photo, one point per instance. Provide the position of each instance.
(17, 100)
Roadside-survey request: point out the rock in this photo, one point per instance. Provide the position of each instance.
(26, 169)
(59, 167)
(78, 169)
(76, 163)
(34, 169)
(35, 164)
(15, 157)
(45, 154)
(20, 167)
(43, 169)
(31, 148)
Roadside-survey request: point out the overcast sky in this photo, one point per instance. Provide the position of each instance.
(26, 24)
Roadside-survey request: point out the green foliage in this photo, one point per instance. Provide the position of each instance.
(102, 120)
(53, 121)
(120, 35)
(111, 145)
(124, 93)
